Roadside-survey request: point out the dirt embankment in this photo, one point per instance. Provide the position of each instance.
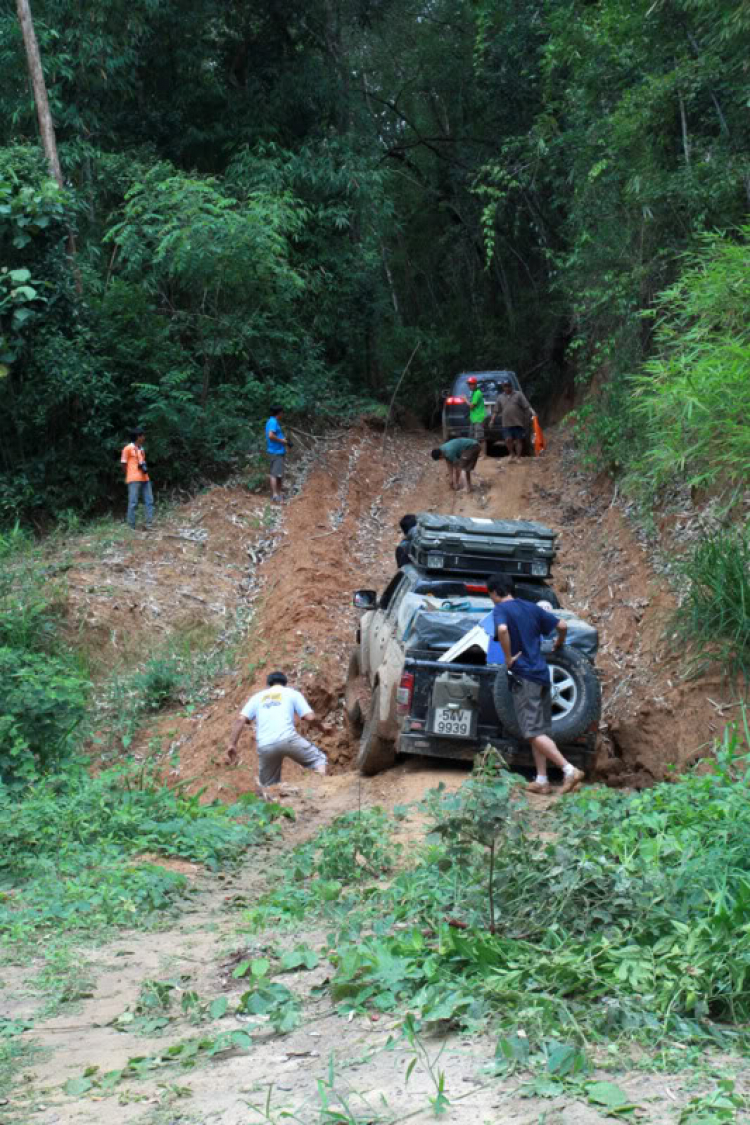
(297, 568)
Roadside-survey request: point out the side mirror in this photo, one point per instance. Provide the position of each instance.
(365, 599)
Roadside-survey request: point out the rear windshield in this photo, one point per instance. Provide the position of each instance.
(487, 381)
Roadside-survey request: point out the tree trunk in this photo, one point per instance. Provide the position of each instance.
(46, 124)
(33, 58)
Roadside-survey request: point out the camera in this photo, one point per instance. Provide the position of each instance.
(143, 466)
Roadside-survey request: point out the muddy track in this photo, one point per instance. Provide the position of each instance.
(339, 533)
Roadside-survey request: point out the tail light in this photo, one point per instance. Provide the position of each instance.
(404, 693)
(474, 588)
(455, 401)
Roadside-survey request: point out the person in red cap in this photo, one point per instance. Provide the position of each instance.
(477, 411)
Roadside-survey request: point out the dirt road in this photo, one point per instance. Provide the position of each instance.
(338, 534)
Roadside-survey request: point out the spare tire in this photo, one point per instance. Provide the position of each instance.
(576, 696)
(375, 753)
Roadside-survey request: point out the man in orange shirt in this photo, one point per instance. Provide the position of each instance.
(136, 477)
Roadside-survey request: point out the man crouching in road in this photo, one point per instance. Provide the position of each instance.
(461, 456)
(520, 627)
(274, 710)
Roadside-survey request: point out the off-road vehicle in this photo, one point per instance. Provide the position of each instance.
(455, 416)
(403, 696)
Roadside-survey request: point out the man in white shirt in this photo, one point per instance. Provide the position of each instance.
(274, 710)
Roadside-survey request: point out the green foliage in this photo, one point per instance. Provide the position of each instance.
(713, 618)
(68, 843)
(42, 702)
(627, 924)
(355, 848)
(692, 399)
(179, 671)
(186, 1054)
(520, 204)
(43, 693)
(269, 999)
(721, 1106)
(151, 1013)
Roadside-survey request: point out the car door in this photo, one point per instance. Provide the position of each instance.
(381, 627)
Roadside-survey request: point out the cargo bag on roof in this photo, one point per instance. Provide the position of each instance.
(482, 546)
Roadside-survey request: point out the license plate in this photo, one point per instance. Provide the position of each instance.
(448, 721)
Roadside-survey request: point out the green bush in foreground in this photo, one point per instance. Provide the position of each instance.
(631, 921)
(68, 844)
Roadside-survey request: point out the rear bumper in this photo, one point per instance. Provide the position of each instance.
(463, 429)
(515, 752)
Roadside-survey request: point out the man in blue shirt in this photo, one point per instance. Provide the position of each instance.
(520, 627)
(276, 446)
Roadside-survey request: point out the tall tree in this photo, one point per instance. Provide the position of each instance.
(34, 62)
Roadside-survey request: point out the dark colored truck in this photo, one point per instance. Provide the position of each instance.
(455, 412)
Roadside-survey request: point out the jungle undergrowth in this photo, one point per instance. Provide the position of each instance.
(623, 932)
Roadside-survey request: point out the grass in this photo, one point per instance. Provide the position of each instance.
(69, 842)
(180, 672)
(713, 619)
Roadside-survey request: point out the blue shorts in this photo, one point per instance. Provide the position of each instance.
(515, 433)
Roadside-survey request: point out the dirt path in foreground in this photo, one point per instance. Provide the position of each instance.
(225, 550)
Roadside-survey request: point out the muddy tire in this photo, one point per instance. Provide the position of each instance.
(354, 689)
(576, 696)
(444, 425)
(375, 753)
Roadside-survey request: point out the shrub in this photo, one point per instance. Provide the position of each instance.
(713, 620)
(41, 703)
(693, 398)
(68, 844)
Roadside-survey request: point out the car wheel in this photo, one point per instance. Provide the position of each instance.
(354, 691)
(576, 696)
(446, 434)
(375, 753)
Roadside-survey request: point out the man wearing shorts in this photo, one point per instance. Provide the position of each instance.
(515, 415)
(274, 710)
(477, 410)
(276, 447)
(520, 627)
(460, 455)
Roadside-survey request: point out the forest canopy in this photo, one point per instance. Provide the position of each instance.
(277, 200)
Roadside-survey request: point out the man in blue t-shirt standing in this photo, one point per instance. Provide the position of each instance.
(520, 627)
(276, 446)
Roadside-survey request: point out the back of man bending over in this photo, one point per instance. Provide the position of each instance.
(274, 710)
(520, 627)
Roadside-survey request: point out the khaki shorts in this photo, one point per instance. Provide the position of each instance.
(533, 704)
(297, 748)
(468, 459)
(476, 431)
(277, 465)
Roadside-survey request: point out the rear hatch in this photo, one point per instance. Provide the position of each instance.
(456, 405)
